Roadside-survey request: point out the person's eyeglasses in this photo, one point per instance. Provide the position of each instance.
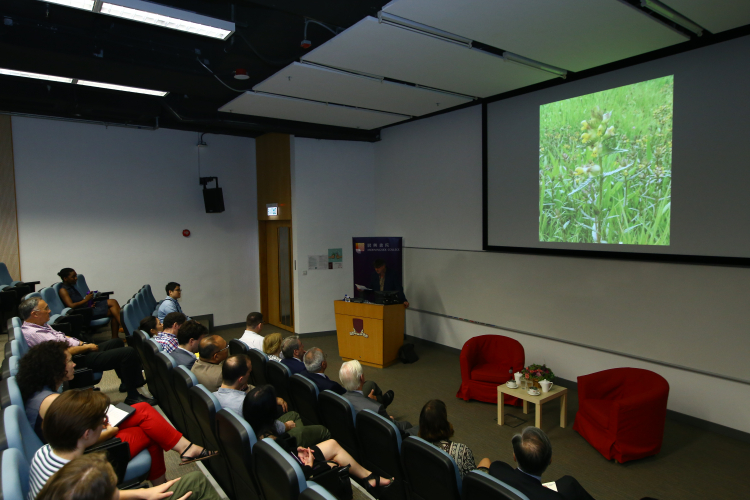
(227, 347)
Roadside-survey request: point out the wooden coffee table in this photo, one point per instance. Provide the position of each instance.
(554, 393)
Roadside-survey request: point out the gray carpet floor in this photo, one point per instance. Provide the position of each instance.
(693, 464)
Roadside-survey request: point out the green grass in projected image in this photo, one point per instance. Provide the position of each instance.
(605, 166)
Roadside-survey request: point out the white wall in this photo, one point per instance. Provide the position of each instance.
(429, 192)
(112, 203)
(429, 181)
(333, 195)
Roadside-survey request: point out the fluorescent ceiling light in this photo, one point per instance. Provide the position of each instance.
(124, 88)
(510, 56)
(174, 23)
(37, 76)
(672, 15)
(400, 22)
(87, 83)
(76, 4)
(155, 15)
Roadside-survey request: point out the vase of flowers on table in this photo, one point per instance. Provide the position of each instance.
(533, 374)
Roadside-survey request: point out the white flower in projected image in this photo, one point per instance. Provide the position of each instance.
(610, 183)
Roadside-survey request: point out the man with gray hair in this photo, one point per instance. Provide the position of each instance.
(109, 355)
(293, 350)
(353, 380)
(315, 367)
(532, 451)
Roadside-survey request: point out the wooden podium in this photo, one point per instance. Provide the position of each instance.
(370, 333)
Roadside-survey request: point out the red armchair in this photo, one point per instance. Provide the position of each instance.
(485, 361)
(621, 412)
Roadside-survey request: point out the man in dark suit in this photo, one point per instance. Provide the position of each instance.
(381, 281)
(532, 451)
(353, 380)
(293, 350)
(315, 367)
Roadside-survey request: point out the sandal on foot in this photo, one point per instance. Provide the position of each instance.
(203, 456)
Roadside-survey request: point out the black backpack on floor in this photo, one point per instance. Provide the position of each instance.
(407, 355)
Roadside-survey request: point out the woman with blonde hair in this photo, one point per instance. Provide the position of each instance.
(272, 346)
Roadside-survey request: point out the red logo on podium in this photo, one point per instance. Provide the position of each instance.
(359, 327)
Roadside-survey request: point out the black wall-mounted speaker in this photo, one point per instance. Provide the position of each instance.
(213, 199)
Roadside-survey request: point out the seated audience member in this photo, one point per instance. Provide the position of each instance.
(236, 373)
(272, 346)
(170, 304)
(293, 351)
(532, 451)
(252, 337)
(151, 325)
(72, 298)
(259, 410)
(435, 429)
(77, 419)
(353, 380)
(315, 367)
(189, 337)
(168, 337)
(91, 477)
(76, 414)
(213, 350)
(109, 355)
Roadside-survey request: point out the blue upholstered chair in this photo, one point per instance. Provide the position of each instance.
(480, 486)
(14, 475)
(305, 395)
(380, 441)
(236, 441)
(10, 394)
(432, 474)
(94, 323)
(339, 417)
(278, 473)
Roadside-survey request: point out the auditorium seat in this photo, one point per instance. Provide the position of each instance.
(236, 346)
(10, 394)
(168, 401)
(14, 475)
(279, 475)
(83, 287)
(18, 335)
(10, 367)
(339, 417)
(278, 376)
(184, 380)
(380, 440)
(622, 411)
(259, 361)
(59, 313)
(431, 473)
(486, 362)
(150, 349)
(236, 441)
(315, 491)
(481, 486)
(205, 406)
(150, 299)
(93, 323)
(305, 395)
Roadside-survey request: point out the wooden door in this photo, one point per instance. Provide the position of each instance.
(278, 274)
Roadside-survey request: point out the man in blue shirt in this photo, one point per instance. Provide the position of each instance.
(170, 304)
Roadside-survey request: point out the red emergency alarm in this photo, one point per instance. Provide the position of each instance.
(186, 232)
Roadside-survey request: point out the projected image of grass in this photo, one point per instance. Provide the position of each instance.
(605, 166)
